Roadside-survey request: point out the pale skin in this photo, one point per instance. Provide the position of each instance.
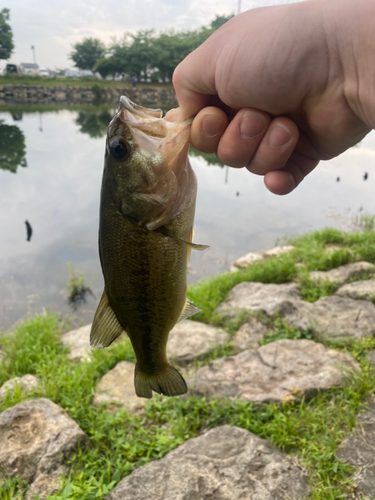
(278, 89)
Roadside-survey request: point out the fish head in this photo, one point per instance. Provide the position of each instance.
(147, 171)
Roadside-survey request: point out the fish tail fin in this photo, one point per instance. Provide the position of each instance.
(170, 383)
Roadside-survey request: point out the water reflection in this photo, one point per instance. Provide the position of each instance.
(210, 159)
(93, 123)
(12, 147)
(59, 195)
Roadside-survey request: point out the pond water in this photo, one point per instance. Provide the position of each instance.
(50, 174)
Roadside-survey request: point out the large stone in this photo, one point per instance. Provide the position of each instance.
(284, 370)
(359, 451)
(116, 388)
(358, 290)
(27, 384)
(245, 261)
(78, 342)
(249, 335)
(340, 274)
(191, 340)
(226, 463)
(267, 298)
(37, 439)
(335, 317)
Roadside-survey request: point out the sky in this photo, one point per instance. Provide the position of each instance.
(53, 27)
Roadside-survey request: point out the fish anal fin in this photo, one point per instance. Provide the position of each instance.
(169, 383)
(105, 327)
(189, 310)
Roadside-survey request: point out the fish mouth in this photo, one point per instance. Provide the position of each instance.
(139, 110)
(147, 123)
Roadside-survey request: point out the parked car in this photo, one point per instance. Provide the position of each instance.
(29, 69)
(71, 73)
(11, 69)
(44, 72)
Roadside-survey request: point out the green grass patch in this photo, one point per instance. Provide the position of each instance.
(209, 293)
(75, 82)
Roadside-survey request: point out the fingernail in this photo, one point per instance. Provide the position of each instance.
(278, 136)
(251, 126)
(211, 125)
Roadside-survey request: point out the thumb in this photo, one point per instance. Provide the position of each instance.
(194, 84)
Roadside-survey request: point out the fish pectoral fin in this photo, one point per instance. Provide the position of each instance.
(189, 310)
(170, 383)
(194, 246)
(105, 327)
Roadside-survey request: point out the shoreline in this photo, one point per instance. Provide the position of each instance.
(16, 94)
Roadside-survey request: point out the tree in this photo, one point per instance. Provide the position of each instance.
(6, 35)
(219, 21)
(86, 53)
(12, 147)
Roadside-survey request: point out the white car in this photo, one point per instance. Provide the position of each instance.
(43, 72)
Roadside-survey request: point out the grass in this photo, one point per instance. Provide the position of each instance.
(121, 442)
(72, 82)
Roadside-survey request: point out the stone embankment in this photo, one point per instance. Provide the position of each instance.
(226, 462)
(65, 95)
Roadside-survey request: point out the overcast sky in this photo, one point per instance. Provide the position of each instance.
(53, 27)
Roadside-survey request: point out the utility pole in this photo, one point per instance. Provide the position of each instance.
(239, 7)
(33, 49)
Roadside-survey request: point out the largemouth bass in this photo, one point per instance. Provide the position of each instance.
(145, 237)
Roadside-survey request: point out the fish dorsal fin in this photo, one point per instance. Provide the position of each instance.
(189, 310)
(105, 327)
(190, 244)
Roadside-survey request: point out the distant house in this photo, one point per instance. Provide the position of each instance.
(29, 69)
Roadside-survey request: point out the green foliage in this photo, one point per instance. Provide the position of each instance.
(6, 35)
(77, 289)
(87, 53)
(12, 147)
(312, 290)
(148, 55)
(93, 123)
(280, 330)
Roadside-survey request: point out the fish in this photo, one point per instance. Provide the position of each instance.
(147, 209)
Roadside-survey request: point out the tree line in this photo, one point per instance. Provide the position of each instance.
(145, 55)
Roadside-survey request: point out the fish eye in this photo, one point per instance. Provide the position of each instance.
(118, 149)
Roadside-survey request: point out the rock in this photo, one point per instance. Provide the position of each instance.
(284, 370)
(358, 451)
(249, 335)
(358, 290)
(27, 384)
(245, 261)
(267, 298)
(116, 388)
(340, 274)
(191, 340)
(37, 439)
(78, 342)
(226, 463)
(335, 317)
(250, 258)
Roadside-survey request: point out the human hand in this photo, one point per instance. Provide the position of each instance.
(271, 90)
